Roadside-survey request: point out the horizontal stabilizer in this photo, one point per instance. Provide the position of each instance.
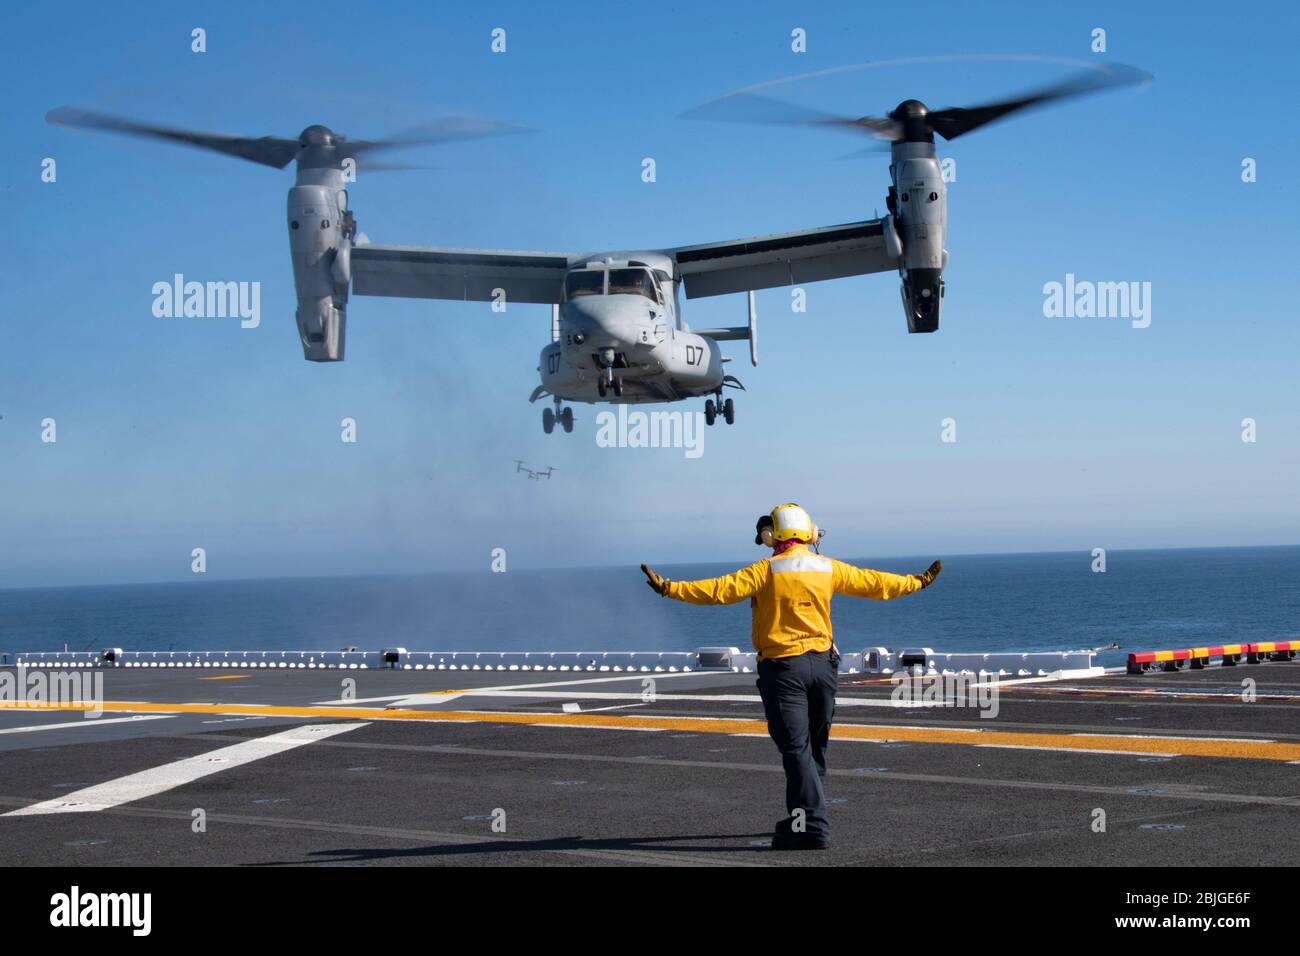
(724, 335)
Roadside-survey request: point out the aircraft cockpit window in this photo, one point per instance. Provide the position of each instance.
(584, 282)
(632, 282)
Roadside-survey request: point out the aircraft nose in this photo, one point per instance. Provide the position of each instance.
(593, 321)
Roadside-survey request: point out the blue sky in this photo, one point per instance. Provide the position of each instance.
(1072, 433)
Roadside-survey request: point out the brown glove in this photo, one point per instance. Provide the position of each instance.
(927, 577)
(657, 584)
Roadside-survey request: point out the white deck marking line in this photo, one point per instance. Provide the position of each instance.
(1052, 678)
(1074, 750)
(840, 700)
(595, 710)
(148, 783)
(1222, 740)
(636, 730)
(542, 688)
(945, 729)
(85, 721)
(436, 697)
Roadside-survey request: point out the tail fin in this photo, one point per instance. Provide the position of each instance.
(749, 332)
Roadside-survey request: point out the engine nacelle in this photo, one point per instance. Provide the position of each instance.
(320, 228)
(322, 325)
(922, 299)
(920, 206)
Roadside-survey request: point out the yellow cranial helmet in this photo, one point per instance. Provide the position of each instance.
(791, 521)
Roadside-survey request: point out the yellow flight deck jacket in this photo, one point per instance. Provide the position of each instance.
(790, 597)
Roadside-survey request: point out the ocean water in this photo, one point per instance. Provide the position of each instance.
(1145, 600)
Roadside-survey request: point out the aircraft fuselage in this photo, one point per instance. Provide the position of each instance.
(620, 320)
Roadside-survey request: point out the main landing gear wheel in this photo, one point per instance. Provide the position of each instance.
(601, 387)
(618, 386)
(566, 419)
(712, 409)
(548, 420)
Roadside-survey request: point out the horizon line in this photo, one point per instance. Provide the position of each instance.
(594, 567)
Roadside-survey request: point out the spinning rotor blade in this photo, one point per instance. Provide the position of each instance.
(450, 129)
(316, 143)
(266, 150)
(874, 150)
(751, 108)
(746, 107)
(953, 122)
(371, 166)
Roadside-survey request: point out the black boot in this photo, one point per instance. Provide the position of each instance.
(784, 838)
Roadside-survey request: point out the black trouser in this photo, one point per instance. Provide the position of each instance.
(799, 701)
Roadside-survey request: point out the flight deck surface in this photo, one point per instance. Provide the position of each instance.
(424, 767)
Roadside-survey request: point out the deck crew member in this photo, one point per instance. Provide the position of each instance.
(790, 601)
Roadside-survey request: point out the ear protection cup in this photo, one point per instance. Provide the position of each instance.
(766, 537)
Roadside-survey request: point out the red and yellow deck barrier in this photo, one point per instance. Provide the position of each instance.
(1228, 655)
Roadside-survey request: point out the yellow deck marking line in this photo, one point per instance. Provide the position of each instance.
(1118, 743)
(228, 677)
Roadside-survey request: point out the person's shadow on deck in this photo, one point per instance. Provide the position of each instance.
(575, 844)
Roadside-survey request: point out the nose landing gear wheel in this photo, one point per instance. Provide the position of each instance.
(710, 412)
(566, 419)
(548, 420)
(609, 381)
(729, 411)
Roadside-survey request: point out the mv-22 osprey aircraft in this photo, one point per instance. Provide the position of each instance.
(617, 332)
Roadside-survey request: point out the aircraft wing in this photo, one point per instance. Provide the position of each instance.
(790, 258)
(422, 272)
